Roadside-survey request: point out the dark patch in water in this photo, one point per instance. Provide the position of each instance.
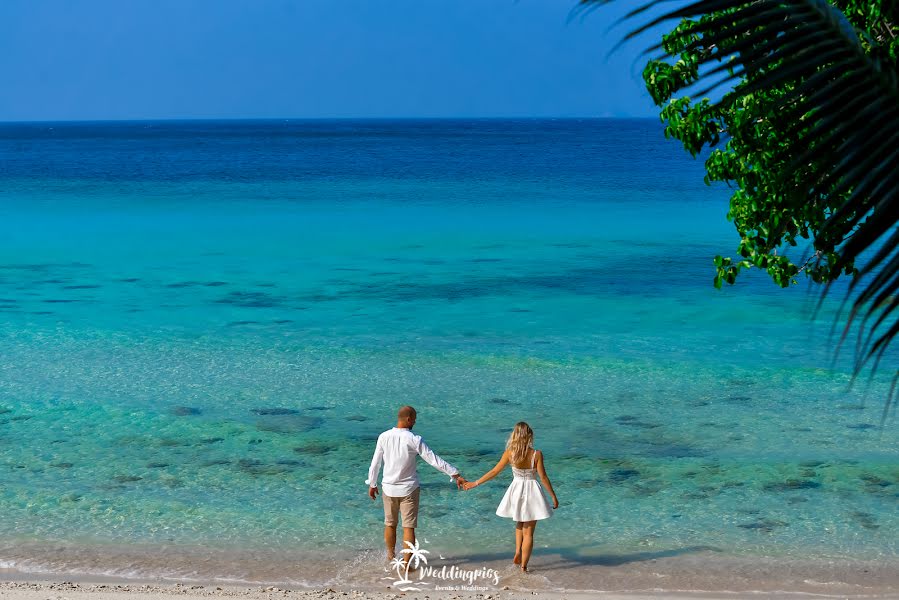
(357, 418)
(185, 411)
(694, 495)
(476, 452)
(520, 310)
(291, 463)
(766, 525)
(215, 462)
(319, 407)
(865, 519)
(282, 321)
(129, 280)
(157, 465)
(274, 411)
(81, 287)
(20, 418)
(182, 284)
(790, 485)
(238, 323)
(739, 398)
(250, 300)
(59, 301)
(873, 483)
(647, 488)
(256, 467)
(862, 426)
(626, 418)
(126, 478)
(499, 401)
(62, 465)
(486, 260)
(212, 440)
(620, 475)
(639, 424)
(315, 448)
(255, 442)
(698, 403)
(215, 283)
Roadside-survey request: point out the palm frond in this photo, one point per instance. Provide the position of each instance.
(845, 102)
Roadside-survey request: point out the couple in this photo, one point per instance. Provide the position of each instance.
(524, 501)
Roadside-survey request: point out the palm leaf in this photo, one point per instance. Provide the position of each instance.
(846, 104)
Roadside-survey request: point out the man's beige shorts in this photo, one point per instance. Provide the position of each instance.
(407, 505)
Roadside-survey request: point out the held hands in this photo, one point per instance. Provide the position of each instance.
(460, 482)
(469, 485)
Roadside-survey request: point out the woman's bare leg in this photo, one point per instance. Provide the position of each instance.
(527, 542)
(519, 536)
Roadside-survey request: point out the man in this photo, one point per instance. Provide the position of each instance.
(397, 448)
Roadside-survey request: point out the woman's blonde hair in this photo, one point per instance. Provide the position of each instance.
(520, 441)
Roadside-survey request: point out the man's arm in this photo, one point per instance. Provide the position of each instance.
(376, 461)
(435, 461)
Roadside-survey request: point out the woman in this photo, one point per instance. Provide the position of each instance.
(524, 501)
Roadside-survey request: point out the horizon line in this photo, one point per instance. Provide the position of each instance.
(320, 119)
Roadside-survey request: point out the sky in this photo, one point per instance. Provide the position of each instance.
(223, 59)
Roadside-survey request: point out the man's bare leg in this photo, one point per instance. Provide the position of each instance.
(527, 543)
(390, 540)
(519, 535)
(408, 536)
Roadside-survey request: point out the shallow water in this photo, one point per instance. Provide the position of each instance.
(206, 325)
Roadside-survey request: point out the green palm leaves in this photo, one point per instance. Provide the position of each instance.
(812, 136)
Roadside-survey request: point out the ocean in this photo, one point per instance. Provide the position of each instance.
(205, 325)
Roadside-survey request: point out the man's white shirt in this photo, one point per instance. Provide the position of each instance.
(397, 449)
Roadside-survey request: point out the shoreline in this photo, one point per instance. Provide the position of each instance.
(701, 575)
(69, 589)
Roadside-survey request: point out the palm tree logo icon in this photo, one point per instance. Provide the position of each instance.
(416, 556)
(416, 553)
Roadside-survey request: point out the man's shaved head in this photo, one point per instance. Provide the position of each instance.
(406, 412)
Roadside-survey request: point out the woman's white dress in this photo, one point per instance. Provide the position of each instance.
(525, 500)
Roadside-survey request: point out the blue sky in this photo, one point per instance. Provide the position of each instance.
(160, 59)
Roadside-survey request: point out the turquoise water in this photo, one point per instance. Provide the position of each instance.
(206, 325)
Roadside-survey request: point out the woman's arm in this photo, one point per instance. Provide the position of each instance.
(503, 461)
(541, 470)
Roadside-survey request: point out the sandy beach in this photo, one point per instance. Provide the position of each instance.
(700, 576)
(16, 590)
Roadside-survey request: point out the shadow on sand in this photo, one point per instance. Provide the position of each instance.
(574, 557)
